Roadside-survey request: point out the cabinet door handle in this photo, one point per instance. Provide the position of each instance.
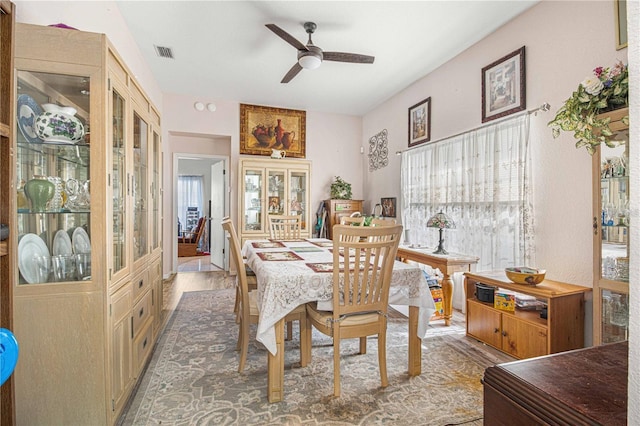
(595, 226)
(141, 313)
(496, 330)
(504, 334)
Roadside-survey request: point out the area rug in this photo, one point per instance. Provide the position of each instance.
(192, 378)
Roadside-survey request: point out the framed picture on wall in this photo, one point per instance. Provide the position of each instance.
(263, 129)
(420, 122)
(388, 207)
(620, 15)
(503, 86)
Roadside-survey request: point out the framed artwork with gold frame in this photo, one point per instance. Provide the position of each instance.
(264, 128)
(620, 13)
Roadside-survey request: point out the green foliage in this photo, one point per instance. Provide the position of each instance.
(608, 89)
(340, 190)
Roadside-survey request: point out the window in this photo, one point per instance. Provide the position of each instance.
(190, 194)
(481, 179)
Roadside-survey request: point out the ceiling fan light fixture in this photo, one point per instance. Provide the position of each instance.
(309, 62)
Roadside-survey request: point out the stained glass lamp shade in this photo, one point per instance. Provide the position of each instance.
(442, 222)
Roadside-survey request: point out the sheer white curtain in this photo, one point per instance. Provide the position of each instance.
(190, 194)
(481, 179)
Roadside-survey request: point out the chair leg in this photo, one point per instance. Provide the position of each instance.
(336, 363)
(244, 343)
(382, 357)
(289, 331)
(363, 345)
(305, 351)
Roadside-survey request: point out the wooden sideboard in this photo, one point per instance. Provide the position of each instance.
(580, 387)
(337, 209)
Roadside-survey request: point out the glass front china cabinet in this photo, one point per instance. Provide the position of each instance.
(269, 186)
(611, 235)
(87, 283)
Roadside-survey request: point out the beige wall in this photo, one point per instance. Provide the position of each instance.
(332, 145)
(563, 45)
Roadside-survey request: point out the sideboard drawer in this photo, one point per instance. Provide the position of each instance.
(347, 206)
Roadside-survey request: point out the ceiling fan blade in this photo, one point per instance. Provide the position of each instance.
(347, 57)
(295, 69)
(286, 36)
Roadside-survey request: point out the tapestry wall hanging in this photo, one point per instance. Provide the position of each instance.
(378, 151)
(263, 129)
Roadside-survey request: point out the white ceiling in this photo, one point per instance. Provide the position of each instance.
(223, 51)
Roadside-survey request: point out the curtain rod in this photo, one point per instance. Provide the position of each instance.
(544, 107)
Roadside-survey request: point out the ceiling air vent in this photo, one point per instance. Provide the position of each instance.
(164, 52)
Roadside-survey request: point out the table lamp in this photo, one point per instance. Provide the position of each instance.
(441, 221)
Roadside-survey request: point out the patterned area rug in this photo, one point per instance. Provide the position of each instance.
(192, 378)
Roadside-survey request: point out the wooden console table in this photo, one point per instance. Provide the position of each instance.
(448, 265)
(579, 387)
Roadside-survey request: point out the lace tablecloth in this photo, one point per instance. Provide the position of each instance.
(286, 284)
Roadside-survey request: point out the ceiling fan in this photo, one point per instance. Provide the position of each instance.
(310, 56)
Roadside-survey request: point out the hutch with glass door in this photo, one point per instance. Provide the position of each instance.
(611, 235)
(272, 186)
(87, 285)
(7, 257)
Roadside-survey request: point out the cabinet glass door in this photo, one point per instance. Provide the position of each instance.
(276, 200)
(298, 182)
(253, 190)
(139, 186)
(53, 172)
(118, 182)
(612, 296)
(155, 192)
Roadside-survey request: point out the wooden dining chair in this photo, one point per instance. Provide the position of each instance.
(382, 222)
(283, 227)
(248, 304)
(352, 220)
(361, 284)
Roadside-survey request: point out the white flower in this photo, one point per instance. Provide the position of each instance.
(592, 85)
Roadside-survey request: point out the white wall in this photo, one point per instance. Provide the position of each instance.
(633, 11)
(99, 17)
(332, 143)
(560, 51)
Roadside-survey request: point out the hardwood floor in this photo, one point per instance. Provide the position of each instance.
(196, 264)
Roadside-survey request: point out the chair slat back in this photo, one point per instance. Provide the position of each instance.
(382, 222)
(352, 220)
(283, 227)
(362, 263)
(236, 257)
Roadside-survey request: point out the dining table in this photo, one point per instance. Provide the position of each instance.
(290, 273)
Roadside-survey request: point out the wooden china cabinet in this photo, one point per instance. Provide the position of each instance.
(7, 24)
(269, 186)
(87, 288)
(611, 224)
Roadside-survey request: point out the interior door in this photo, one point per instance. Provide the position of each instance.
(217, 240)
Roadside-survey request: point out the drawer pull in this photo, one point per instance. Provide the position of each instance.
(141, 283)
(141, 312)
(144, 344)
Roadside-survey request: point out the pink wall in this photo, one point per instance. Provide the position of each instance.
(332, 145)
(564, 42)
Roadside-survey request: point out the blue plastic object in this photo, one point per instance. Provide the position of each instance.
(8, 354)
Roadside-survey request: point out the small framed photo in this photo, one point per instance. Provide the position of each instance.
(504, 86)
(274, 204)
(388, 207)
(420, 122)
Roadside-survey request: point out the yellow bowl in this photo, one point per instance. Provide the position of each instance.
(525, 275)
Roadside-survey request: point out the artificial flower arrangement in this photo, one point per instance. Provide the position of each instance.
(340, 190)
(605, 90)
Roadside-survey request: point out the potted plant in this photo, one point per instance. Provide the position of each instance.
(607, 89)
(340, 190)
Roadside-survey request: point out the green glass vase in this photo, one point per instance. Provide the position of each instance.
(39, 191)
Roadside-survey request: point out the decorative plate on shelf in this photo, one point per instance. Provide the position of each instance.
(29, 247)
(81, 241)
(28, 111)
(62, 243)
